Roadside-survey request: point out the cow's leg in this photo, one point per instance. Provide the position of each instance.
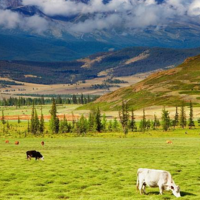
(161, 189)
(143, 188)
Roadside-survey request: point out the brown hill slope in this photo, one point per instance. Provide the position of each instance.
(170, 88)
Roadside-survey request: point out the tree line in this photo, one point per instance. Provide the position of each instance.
(21, 101)
(96, 122)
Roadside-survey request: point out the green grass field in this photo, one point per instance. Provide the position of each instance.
(98, 168)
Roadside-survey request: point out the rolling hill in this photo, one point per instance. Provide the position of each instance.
(166, 88)
(124, 62)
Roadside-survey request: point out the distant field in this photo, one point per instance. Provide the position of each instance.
(24, 112)
(98, 168)
(79, 88)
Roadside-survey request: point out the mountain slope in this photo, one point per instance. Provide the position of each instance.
(66, 43)
(125, 62)
(170, 88)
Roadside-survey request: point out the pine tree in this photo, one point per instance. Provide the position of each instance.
(183, 120)
(175, 122)
(191, 121)
(110, 126)
(64, 127)
(18, 120)
(36, 122)
(104, 122)
(115, 124)
(90, 121)
(8, 125)
(73, 120)
(143, 122)
(82, 99)
(148, 124)
(57, 125)
(132, 124)
(124, 117)
(165, 120)
(82, 125)
(3, 118)
(28, 128)
(156, 123)
(98, 120)
(41, 122)
(32, 125)
(54, 121)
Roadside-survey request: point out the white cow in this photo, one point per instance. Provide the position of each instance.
(156, 178)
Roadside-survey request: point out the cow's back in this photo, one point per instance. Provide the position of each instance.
(153, 177)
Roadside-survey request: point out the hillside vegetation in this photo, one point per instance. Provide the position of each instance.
(125, 62)
(167, 88)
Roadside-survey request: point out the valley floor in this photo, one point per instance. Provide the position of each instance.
(99, 168)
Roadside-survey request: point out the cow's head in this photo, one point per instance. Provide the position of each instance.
(42, 158)
(176, 190)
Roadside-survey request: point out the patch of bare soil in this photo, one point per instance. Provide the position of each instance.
(46, 117)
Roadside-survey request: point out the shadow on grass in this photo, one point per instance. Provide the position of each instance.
(153, 193)
(183, 194)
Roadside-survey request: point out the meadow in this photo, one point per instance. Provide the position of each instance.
(99, 168)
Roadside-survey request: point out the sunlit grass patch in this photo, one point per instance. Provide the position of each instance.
(98, 168)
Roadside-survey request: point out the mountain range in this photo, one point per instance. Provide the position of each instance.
(58, 42)
(125, 62)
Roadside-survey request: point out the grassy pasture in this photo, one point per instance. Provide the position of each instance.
(98, 168)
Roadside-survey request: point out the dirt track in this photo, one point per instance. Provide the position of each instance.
(46, 117)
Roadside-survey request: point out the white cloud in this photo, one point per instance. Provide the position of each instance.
(9, 19)
(127, 14)
(194, 8)
(12, 20)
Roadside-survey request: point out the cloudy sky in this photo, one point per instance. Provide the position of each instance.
(123, 14)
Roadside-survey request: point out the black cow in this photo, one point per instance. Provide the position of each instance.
(34, 154)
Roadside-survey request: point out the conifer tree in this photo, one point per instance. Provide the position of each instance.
(165, 120)
(32, 125)
(82, 99)
(115, 124)
(98, 120)
(175, 122)
(8, 125)
(104, 122)
(110, 125)
(82, 125)
(132, 124)
(191, 121)
(124, 117)
(143, 122)
(156, 123)
(28, 128)
(36, 122)
(90, 121)
(183, 120)
(18, 120)
(148, 124)
(3, 118)
(41, 122)
(64, 127)
(54, 121)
